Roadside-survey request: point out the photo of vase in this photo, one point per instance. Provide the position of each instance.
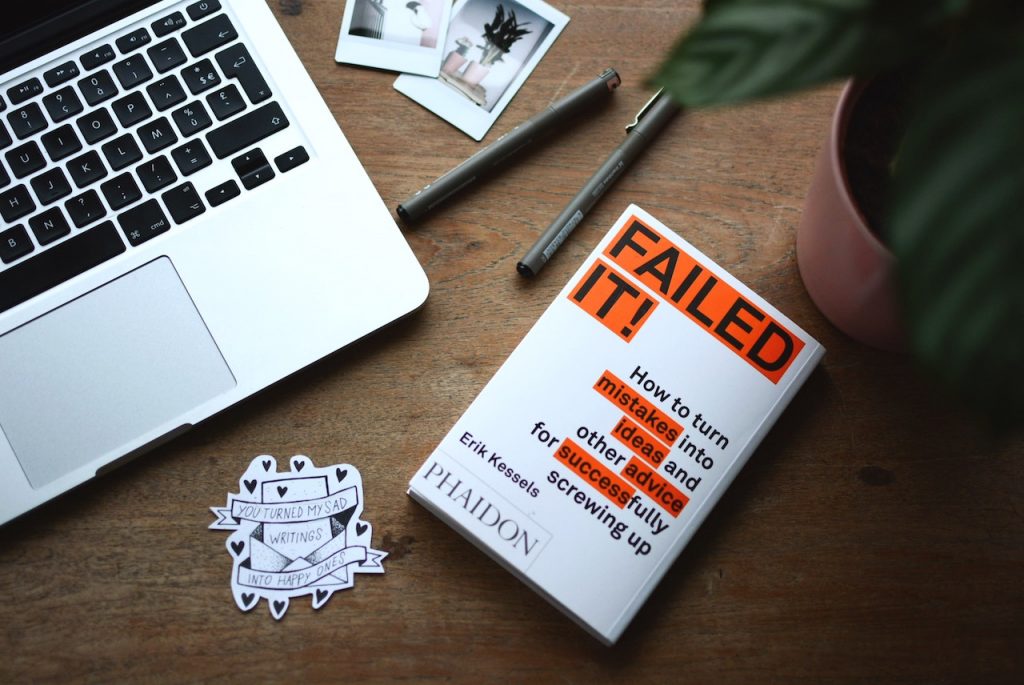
(488, 44)
(457, 57)
(499, 35)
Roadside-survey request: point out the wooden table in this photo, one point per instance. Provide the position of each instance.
(877, 535)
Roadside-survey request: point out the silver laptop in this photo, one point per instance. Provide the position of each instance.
(182, 223)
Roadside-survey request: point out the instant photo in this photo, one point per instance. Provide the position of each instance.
(490, 50)
(400, 35)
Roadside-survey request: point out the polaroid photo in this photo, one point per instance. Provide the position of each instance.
(491, 48)
(400, 35)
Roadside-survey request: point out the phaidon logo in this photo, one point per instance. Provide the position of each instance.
(495, 517)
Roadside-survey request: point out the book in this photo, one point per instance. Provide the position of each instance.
(593, 455)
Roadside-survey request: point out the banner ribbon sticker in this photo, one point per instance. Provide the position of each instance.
(296, 533)
(289, 512)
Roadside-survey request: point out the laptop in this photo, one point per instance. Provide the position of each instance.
(182, 224)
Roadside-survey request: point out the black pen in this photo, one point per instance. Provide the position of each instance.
(500, 152)
(658, 111)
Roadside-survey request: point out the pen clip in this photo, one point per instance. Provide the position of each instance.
(643, 110)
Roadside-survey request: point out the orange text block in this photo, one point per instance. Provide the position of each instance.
(613, 300)
(647, 481)
(640, 441)
(594, 472)
(637, 406)
(691, 287)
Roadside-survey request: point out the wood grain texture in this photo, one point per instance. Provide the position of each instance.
(877, 535)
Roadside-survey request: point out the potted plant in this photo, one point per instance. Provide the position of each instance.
(499, 35)
(948, 229)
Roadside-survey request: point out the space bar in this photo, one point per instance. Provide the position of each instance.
(58, 264)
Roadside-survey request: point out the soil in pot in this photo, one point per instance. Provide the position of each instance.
(871, 146)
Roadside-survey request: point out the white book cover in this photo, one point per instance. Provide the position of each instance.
(598, 448)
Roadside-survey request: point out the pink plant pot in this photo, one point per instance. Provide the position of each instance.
(848, 272)
(453, 63)
(475, 73)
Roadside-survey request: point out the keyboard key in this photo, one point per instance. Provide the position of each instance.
(132, 41)
(121, 152)
(209, 35)
(86, 169)
(247, 130)
(132, 71)
(167, 55)
(143, 222)
(191, 157)
(131, 109)
(291, 159)
(157, 134)
(191, 118)
(183, 203)
(236, 62)
(27, 120)
(96, 125)
(5, 137)
(60, 263)
(121, 191)
(4, 178)
(253, 168)
(98, 87)
(25, 159)
(62, 104)
(226, 102)
(51, 186)
(258, 177)
(14, 244)
(155, 174)
(16, 203)
(60, 74)
(220, 194)
(85, 208)
(166, 93)
(200, 76)
(202, 9)
(100, 55)
(169, 24)
(49, 226)
(61, 142)
(24, 91)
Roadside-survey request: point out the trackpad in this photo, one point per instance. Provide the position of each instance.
(103, 370)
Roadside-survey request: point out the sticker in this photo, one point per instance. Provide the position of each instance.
(295, 533)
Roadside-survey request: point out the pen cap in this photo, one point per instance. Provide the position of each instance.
(586, 95)
(654, 115)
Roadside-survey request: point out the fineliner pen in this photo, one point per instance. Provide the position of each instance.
(649, 121)
(498, 154)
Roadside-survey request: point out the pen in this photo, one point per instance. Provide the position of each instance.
(498, 154)
(658, 111)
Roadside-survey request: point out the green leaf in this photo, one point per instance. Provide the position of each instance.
(742, 49)
(957, 227)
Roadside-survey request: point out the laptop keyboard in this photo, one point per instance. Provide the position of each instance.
(95, 158)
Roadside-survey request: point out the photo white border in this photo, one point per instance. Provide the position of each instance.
(391, 55)
(460, 111)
